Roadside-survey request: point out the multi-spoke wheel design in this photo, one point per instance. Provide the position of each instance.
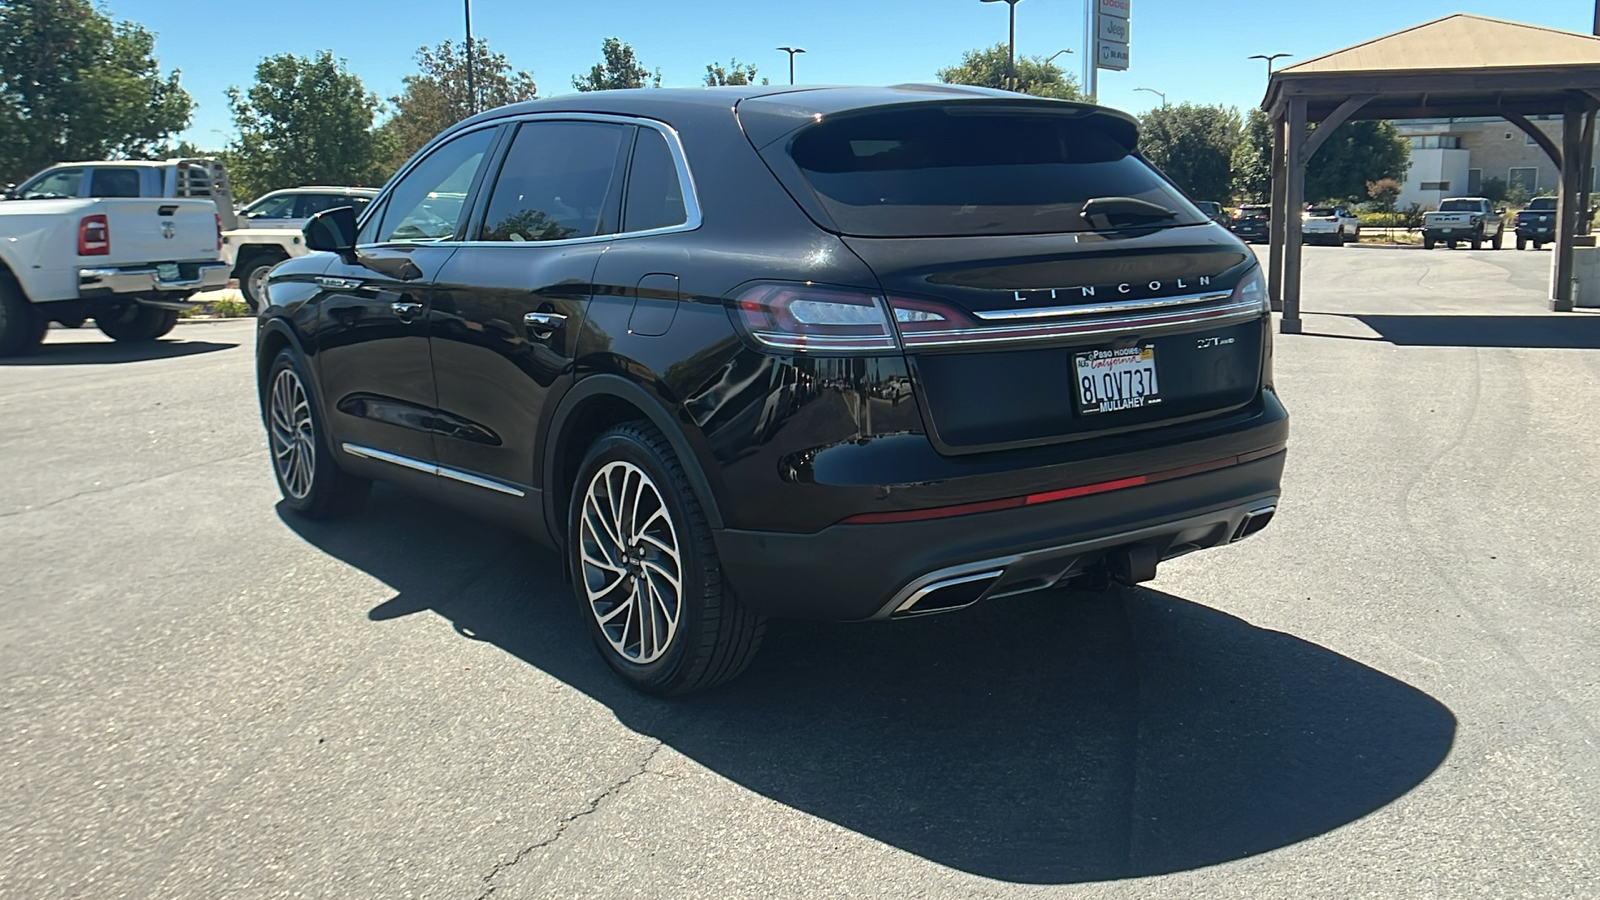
(294, 445)
(632, 565)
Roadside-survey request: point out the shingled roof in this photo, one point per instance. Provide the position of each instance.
(1459, 41)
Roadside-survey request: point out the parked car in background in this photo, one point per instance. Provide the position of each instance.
(201, 177)
(269, 231)
(129, 263)
(1471, 219)
(1536, 223)
(1213, 211)
(827, 353)
(1329, 225)
(1251, 221)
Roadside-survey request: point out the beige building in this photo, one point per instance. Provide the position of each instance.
(1453, 157)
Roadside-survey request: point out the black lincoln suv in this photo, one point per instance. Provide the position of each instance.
(835, 353)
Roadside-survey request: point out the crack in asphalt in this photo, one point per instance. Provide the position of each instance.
(566, 821)
(117, 487)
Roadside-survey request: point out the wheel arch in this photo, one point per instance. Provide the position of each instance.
(273, 337)
(247, 254)
(593, 405)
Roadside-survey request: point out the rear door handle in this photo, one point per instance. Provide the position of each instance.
(406, 309)
(544, 324)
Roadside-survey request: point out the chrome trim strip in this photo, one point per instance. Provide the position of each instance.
(1005, 315)
(1231, 516)
(417, 465)
(905, 609)
(338, 284)
(476, 481)
(1161, 321)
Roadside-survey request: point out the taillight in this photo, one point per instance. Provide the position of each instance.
(802, 317)
(94, 236)
(929, 323)
(1252, 287)
(218, 218)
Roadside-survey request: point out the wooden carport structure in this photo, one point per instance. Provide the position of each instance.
(1458, 66)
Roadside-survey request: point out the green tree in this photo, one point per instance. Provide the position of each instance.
(1493, 189)
(1384, 192)
(1358, 152)
(436, 97)
(306, 120)
(987, 68)
(735, 73)
(620, 69)
(76, 85)
(1252, 160)
(1194, 145)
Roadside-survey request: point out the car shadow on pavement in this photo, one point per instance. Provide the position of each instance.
(1563, 332)
(1055, 738)
(90, 353)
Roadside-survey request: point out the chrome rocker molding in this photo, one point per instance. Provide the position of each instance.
(418, 465)
(1039, 570)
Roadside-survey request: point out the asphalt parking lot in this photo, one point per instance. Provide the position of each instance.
(1394, 691)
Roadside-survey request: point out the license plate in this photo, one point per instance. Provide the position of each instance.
(167, 271)
(1113, 380)
(1446, 230)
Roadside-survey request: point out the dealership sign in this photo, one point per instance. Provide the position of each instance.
(1114, 8)
(1111, 33)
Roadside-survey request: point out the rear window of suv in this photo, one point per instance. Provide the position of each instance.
(945, 172)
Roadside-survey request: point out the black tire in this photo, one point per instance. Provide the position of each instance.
(1499, 239)
(620, 565)
(1538, 245)
(1427, 242)
(255, 268)
(22, 325)
(1522, 242)
(1476, 242)
(135, 323)
(316, 488)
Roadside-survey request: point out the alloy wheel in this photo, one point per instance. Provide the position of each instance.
(258, 284)
(293, 435)
(632, 567)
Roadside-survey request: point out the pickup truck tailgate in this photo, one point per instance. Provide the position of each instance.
(156, 230)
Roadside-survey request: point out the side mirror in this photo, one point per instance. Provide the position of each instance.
(11, 192)
(1501, 211)
(332, 230)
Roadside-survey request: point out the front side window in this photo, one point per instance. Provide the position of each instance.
(58, 185)
(274, 206)
(953, 171)
(655, 193)
(426, 205)
(558, 182)
(118, 182)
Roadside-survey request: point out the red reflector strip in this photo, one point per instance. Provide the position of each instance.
(1084, 490)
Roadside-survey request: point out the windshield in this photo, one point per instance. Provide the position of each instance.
(1320, 212)
(942, 172)
(1461, 206)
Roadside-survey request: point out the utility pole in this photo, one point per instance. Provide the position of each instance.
(472, 87)
(792, 51)
(1011, 60)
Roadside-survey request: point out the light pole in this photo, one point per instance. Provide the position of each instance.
(791, 51)
(1269, 59)
(1011, 59)
(1156, 92)
(1052, 56)
(472, 87)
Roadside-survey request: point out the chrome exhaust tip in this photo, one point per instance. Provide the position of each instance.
(1253, 521)
(948, 595)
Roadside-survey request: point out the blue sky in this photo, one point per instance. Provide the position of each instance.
(1193, 50)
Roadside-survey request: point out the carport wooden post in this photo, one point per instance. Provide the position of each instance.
(1275, 230)
(1288, 215)
(1567, 208)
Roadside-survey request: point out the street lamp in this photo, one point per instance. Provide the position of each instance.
(1052, 56)
(1156, 92)
(472, 87)
(1269, 60)
(1011, 60)
(791, 51)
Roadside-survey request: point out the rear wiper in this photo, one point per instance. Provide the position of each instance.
(1123, 211)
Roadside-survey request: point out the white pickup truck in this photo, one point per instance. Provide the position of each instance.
(1470, 219)
(129, 264)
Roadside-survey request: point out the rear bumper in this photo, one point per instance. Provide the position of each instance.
(104, 282)
(858, 571)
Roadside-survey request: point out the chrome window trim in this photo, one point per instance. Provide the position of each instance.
(691, 195)
(1115, 306)
(427, 468)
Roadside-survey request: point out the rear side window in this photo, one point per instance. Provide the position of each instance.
(558, 182)
(655, 193)
(943, 171)
(119, 182)
(311, 204)
(280, 206)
